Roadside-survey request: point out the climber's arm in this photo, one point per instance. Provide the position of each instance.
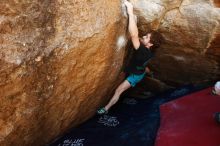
(132, 26)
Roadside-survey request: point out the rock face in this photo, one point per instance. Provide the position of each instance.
(191, 28)
(58, 60)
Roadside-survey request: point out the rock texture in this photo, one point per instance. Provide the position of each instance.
(216, 3)
(59, 59)
(191, 28)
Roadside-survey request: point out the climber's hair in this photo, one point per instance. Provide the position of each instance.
(156, 39)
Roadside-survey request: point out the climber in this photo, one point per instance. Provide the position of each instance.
(144, 49)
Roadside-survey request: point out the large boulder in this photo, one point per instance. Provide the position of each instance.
(59, 59)
(191, 28)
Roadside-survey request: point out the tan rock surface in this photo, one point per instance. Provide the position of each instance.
(59, 59)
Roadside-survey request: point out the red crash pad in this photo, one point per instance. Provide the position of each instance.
(189, 121)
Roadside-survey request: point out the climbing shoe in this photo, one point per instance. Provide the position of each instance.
(102, 111)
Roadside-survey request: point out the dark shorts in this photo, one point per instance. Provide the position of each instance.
(133, 79)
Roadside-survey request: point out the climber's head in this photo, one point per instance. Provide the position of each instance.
(152, 39)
